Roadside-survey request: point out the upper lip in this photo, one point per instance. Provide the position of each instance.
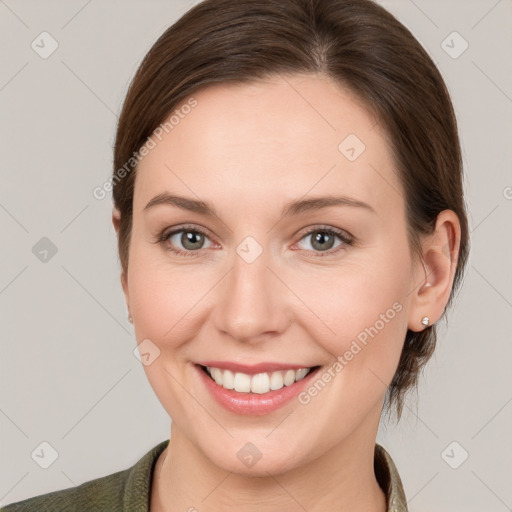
(252, 369)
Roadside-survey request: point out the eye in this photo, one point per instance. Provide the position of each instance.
(191, 239)
(188, 240)
(322, 240)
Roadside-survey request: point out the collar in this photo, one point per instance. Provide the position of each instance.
(389, 480)
(139, 479)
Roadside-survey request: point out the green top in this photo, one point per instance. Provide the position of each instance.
(130, 489)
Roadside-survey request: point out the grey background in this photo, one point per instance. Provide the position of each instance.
(68, 373)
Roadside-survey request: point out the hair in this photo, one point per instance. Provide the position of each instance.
(357, 44)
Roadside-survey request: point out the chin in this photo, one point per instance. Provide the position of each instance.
(259, 463)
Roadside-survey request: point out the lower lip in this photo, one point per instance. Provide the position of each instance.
(253, 404)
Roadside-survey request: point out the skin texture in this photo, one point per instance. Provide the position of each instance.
(248, 150)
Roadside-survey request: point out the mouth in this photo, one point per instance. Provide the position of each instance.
(259, 383)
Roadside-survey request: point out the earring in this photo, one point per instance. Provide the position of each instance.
(130, 319)
(425, 321)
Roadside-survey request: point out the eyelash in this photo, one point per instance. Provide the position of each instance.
(342, 235)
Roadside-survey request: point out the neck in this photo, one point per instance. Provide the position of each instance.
(342, 479)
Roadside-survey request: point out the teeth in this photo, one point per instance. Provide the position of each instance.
(242, 383)
(216, 373)
(301, 373)
(226, 379)
(276, 380)
(289, 377)
(259, 383)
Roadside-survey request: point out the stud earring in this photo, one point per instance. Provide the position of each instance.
(425, 321)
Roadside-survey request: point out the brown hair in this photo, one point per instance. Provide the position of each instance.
(355, 42)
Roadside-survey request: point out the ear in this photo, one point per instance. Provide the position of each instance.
(116, 221)
(435, 271)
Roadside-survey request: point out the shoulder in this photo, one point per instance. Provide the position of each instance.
(128, 489)
(99, 494)
(389, 479)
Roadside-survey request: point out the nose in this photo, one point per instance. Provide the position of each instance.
(251, 303)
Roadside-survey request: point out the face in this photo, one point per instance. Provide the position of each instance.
(286, 254)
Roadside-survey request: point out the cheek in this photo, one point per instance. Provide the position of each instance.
(162, 299)
(163, 304)
(163, 296)
(366, 313)
(363, 313)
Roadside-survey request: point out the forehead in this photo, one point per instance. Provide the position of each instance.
(269, 140)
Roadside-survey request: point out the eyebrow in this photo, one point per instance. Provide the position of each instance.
(291, 208)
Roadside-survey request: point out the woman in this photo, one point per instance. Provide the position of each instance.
(288, 202)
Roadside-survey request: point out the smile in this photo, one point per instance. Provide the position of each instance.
(259, 383)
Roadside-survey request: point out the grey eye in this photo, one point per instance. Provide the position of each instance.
(189, 239)
(322, 240)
